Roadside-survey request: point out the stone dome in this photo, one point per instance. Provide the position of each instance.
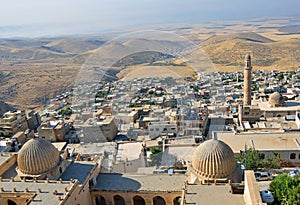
(37, 156)
(276, 99)
(213, 159)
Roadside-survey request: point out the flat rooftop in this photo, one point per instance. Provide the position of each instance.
(288, 106)
(78, 170)
(60, 145)
(260, 141)
(129, 151)
(172, 154)
(212, 195)
(93, 148)
(43, 197)
(139, 182)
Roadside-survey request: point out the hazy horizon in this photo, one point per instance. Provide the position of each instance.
(31, 18)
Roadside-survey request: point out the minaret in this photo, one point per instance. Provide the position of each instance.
(247, 80)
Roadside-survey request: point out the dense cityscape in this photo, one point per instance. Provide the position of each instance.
(204, 135)
(144, 102)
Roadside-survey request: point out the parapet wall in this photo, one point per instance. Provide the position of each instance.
(251, 191)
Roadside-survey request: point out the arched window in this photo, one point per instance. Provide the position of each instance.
(118, 200)
(177, 200)
(100, 200)
(158, 200)
(11, 202)
(138, 200)
(292, 156)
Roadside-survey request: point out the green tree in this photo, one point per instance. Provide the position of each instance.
(273, 162)
(238, 87)
(286, 189)
(280, 77)
(64, 112)
(156, 156)
(207, 101)
(251, 159)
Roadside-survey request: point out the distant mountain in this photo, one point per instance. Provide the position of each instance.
(73, 45)
(42, 68)
(228, 51)
(141, 58)
(46, 48)
(246, 36)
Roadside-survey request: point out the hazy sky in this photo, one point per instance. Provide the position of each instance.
(84, 16)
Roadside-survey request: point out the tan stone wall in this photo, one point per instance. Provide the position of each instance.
(7, 164)
(20, 199)
(277, 113)
(46, 133)
(20, 137)
(109, 130)
(251, 192)
(283, 155)
(15, 126)
(81, 194)
(128, 196)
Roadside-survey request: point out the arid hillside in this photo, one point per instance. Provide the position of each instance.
(227, 51)
(32, 71)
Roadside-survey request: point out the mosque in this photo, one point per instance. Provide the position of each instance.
(254, 108)
(42, 173)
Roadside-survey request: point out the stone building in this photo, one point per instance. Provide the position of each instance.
(213, 177)
(54, 131)
(95, 130)
(41, 174)
(33, 120)
(13, 122)
(283, 144)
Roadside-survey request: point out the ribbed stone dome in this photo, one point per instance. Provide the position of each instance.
(276, 99)
(37, 156)
(213, 159)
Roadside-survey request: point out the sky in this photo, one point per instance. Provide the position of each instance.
(55, 17)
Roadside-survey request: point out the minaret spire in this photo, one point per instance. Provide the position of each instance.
(248, 61)
(247, 80)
